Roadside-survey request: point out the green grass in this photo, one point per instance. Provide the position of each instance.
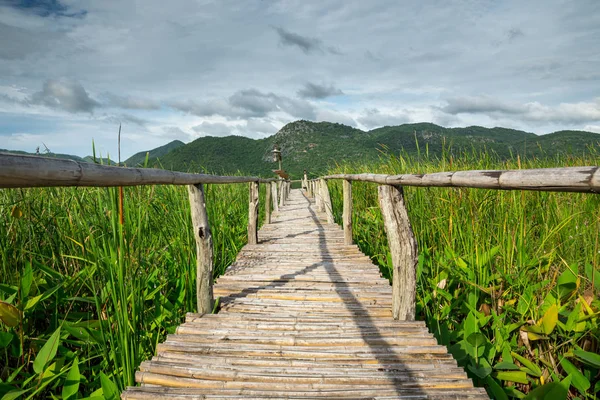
(508, 280)
(108, 292)
(83, 300)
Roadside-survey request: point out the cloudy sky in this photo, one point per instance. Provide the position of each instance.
(71, 71)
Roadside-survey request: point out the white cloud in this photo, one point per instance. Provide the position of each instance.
(254, 66)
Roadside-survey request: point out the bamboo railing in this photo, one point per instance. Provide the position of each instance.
(401, 239)
(21, 171)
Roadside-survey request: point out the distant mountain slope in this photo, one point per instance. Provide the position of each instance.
(315, 146)
(49, 155)
(139, 159)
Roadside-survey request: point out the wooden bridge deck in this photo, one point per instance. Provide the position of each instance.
(302, 316)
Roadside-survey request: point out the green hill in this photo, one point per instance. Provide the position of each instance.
(139, 159)
(48, 155)
(317, 145)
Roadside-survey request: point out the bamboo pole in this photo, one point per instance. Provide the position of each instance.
(327, 202)
(253, 214)
(567, 179)
(347, 213)
(30, 171)
(268, 204)
(204, 249)
(403, 248)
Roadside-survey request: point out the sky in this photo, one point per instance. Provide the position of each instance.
(72, 71)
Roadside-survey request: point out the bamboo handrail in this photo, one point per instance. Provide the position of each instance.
(21, 171)
(397, 224)
(566, 179)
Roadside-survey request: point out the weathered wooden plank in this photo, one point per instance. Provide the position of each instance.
(302, 313)
(403, 248)
(204, 249)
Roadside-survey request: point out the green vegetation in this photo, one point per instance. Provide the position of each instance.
(139, 159)
(508, 280)
(319, 146)
(83, 300)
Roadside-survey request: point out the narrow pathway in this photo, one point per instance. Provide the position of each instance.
(302, 316)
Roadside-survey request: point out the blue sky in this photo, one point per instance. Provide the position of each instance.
(71, 71)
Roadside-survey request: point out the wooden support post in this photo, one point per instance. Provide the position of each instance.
(305, 182)
(253, 214)
(204, 249)
(274, 196)
(347, 214)
(327, 202)
(281, 193)
(309, 189)
(318, 196)
(268, 203)
(403, 248)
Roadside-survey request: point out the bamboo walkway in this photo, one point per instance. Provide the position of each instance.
(302, 316)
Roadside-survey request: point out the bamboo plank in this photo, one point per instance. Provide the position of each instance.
(303, 315)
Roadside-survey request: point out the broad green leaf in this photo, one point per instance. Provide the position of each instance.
(482, 371)
(534, 370)
(9, 314)
(5, 339)
(47, 352)
(593, 275)
(512, 376)
(470, 325)
(591, 359)
(549, 391)
(506, 366)
(494, 389)
(549, 319)
(573, 324)
(15, 394)
(33, 301)
(477, 339)
(579, 381)
(568, 282)
(109, 389)
(26, 280)
(71, 386)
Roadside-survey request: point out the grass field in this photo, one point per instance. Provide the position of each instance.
(508, 280)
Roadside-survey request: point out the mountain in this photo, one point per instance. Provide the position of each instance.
(48, 155)
(139, 159)
(318, 145)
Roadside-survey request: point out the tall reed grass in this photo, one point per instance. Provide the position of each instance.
(508, 280)
(84, 299)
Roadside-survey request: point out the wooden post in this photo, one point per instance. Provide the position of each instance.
(318, 196)
(281, 193)
(327, 202)
(274, 196)
(403, 248)
(253, 214)
(305, 182)
(347, 214)
(268, 203)
(309, 189)
(204, 249)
